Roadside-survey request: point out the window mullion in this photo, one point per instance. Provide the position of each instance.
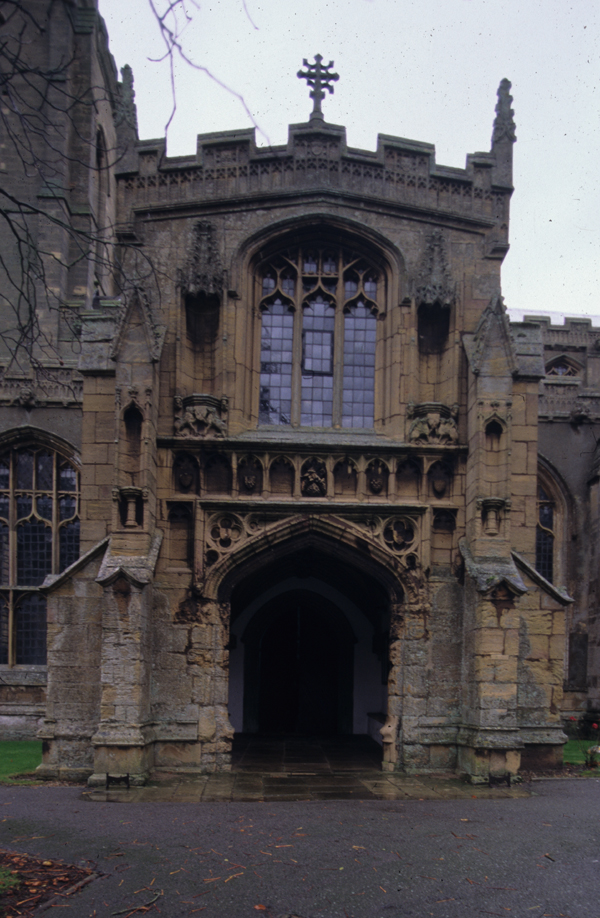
(55, 516)
(338, 346)
(297, 344)
(12, 522)
(11, 628)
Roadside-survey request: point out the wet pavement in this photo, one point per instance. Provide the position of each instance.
(532, 856)
(301, 768)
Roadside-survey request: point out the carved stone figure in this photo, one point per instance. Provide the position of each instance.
(314, 478)
(433, 423)
(199, 416)
(398, 534)
(186, 473)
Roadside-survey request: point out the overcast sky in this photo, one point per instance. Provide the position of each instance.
(427, 70)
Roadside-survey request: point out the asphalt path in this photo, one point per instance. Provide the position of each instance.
(535, 857)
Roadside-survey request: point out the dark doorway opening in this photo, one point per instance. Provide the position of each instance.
(299, 667)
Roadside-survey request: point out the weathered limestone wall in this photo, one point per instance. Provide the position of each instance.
(190, 689)
(430, 681)
(75, 613)
(542, 620)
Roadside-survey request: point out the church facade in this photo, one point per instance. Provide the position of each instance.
(287, 466)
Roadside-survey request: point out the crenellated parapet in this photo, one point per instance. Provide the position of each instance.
(401, 172)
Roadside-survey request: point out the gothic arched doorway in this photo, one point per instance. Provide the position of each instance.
(308, 650)
(299, 666)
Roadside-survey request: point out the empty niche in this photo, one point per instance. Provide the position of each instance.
(281, 477)
(440, 479)
(217, 475)
(408, 478)
(344, 478)
(377, 478)
(185, 474)
(433, 322)
(202, 326)
(132, 420)
(250, 476)
(493, 435)
(180, 535)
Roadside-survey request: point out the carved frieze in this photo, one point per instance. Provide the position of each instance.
(432, 422)
(55, 387)
(200, 416)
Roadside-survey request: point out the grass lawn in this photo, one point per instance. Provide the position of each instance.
(19, 757)
(574, 751)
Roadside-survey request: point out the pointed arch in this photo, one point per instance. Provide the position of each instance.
(331, 537)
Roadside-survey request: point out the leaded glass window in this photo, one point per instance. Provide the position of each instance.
(544, 540)
(318, 337)
(39, 535)
(276, 363)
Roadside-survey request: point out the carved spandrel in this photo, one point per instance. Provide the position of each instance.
(200, 416)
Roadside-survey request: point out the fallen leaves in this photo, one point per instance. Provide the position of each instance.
(39, 881)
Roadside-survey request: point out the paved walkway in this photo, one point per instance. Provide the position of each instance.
(301, 768)
(412, 858)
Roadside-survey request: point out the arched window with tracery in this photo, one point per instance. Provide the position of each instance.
(39, 535)
(319, 310)
(563, 367)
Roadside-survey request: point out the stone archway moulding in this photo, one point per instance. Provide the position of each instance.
(336, 536)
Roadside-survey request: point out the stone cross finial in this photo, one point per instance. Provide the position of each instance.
(317, 75)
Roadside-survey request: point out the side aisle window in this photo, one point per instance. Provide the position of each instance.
(545, 536)
(39, 535)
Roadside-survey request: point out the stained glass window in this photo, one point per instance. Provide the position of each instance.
(318, 337)
(39, 535)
